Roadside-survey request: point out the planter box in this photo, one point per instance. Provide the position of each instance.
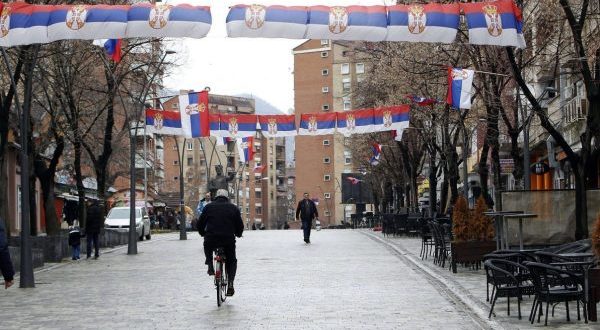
(470, 251)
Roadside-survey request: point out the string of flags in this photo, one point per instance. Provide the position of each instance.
(194, 120)
(498, 23)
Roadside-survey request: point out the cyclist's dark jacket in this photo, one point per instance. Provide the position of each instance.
(221, 221)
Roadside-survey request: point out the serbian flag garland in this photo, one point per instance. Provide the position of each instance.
(498, 23)
(391, 118)
(423, 23)
(237, 126)
(277, 125)
(246, 149)
(163, 122)
(317, 124)
(367, 23)
(195, 118)
(460, 86)
(258, 21)
(356, 121)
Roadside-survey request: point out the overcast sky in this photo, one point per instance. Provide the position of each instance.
(231, 66)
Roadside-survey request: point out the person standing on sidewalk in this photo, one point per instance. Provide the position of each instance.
(306, 211)
(6, 266)
(75, 240)
(93, 225)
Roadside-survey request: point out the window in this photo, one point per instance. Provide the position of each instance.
(325, 142)
(190, 161)
(324, 42)
(190, 146)
(175, 162)
(347, 103)
(346, 85)
(347, 160)
(175, 178)
(327, 195)
(326, 177)
(345, 68)
(360, 68)
(325, 107)
(324, 54)
(175, 147)
(175, 105)
(257, 194)
(326, 160)
(258, 210)
(327, 213)
(325, 89)
(324, 72)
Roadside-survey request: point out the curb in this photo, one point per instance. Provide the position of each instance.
(452, 289)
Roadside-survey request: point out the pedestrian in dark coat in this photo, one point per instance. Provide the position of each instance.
(306, 211)
(6, 266)
(75, 241)
(94, 222)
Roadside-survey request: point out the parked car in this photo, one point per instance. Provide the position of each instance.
(118, 219)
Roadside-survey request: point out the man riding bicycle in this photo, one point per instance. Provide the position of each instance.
(220, 223)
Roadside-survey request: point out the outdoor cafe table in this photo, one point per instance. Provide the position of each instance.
(519, 216)
(501, 228)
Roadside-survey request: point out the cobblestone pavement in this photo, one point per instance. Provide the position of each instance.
(343, 280)
(468, 286)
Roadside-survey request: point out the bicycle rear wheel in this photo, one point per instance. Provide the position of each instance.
(218, 275)
(224, 282)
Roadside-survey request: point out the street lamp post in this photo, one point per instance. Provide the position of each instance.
(182, 221)
(132, 239)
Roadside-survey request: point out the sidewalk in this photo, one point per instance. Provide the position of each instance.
(469, 286)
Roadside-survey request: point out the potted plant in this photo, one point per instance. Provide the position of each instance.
(473, 233)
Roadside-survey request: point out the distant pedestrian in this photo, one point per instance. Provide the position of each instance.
(306, 211)
(92, 228)
(75, 241)
(6, 266)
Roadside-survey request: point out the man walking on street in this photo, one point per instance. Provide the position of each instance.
(93, 225)
(6, 266)
(306, 211)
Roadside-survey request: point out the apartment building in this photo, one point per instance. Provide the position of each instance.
(324, 75)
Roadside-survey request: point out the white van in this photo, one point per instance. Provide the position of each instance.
(118, 219)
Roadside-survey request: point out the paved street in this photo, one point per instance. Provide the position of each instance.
(343, 280)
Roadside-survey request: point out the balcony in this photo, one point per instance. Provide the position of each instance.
(575, 110)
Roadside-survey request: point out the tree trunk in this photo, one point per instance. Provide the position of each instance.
(432, 184)
(79, 180)
(483, 168)
(517, 156)
(444, 191)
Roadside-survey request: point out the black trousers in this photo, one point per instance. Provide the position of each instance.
(230, 259)
(92, 238)
(306, 226)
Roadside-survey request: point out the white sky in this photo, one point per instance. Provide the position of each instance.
(231, 66)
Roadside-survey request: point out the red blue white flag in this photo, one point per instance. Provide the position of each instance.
(236, 126)
(391, 118)
(23, 24)
(158, 20)
(277, 125)
(195, 118)
(246, 148)
(87, 22)
(367, 23)
(460, 86)
(317, 124)
(423, 22)
(353, 180)
(163, 122)
(355, 121)
(497, 23)
(258, 21)
(420, 100)
(112, 48)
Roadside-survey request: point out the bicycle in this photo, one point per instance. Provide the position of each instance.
(220, 275)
